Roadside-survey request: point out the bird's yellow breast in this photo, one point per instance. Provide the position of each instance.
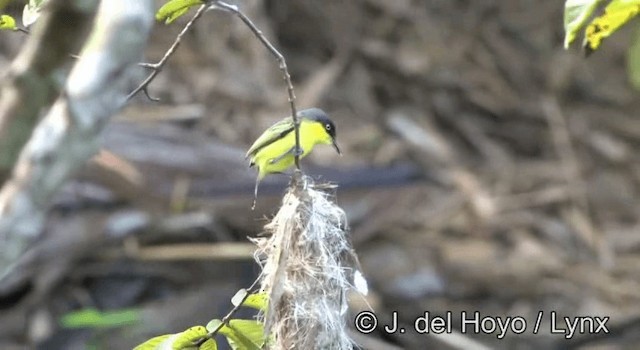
(270, 159)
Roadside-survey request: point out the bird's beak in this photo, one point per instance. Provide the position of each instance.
(335, 145)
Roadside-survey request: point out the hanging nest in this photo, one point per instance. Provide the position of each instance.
(309, 265)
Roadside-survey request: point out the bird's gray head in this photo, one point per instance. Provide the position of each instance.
(321, 117)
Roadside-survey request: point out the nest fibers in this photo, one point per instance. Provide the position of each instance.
(309, 266)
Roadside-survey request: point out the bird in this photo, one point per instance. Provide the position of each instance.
(274, 151)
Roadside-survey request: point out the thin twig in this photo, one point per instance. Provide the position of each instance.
(227, 317)
(157, 67)
(283, 67)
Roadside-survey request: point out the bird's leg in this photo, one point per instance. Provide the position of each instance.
(292, 150)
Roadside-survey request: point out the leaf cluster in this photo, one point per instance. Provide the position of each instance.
(241, 334)
(580, 15)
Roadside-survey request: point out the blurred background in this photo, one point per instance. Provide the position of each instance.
(485, 169)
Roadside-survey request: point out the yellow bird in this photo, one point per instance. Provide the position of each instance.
(274, 151)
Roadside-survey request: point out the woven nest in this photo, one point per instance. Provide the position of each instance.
(309, 266)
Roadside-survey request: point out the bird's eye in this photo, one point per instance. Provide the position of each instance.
(328, 126)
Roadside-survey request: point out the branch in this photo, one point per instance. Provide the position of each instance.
(30, 83)
(283, 67)
(157, 67)
(67, 136)
(216, 4)
(227, 317)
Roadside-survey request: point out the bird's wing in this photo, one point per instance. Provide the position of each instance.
(272, 134)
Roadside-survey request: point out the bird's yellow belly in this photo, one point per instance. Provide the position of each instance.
(269, 159)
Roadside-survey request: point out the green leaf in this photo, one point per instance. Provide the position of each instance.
(258, 301)
(92, 318)
(576, 14)
(246, 334)
(173, 9)
(633, 60)
(180, 341)
(616, 14)
(7, 23)
(154, 343)
(209, 345)
(189, 337)
(241, 334)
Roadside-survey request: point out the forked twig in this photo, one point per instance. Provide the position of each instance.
(215, 4)
(157, 67)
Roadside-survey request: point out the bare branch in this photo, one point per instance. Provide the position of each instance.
(66, 137)
(157, 67)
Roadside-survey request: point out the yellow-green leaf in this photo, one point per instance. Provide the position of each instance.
(93, 318)
(210, 344)
(633, 60)
(248, 333)
(616, 14)
(7, 22)
(153, 343)
(576, 14)
(187, 338)
(173, 9)
(180, 341)
(258, 301)
(243, 334)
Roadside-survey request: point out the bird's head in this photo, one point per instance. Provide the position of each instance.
(319, 116)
